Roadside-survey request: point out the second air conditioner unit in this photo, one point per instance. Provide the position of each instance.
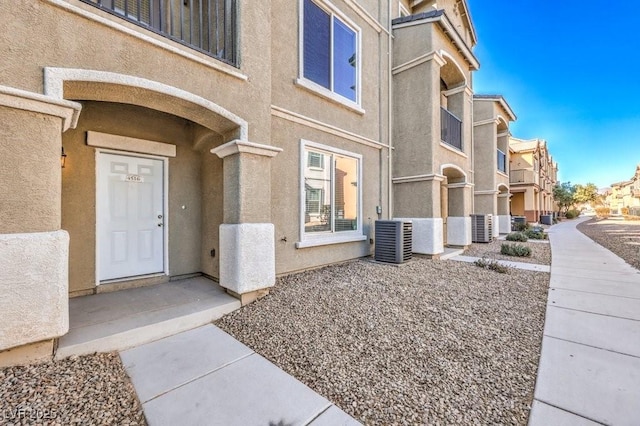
(481, 228)
(393, 241)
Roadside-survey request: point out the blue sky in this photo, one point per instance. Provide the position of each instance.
(571, 72)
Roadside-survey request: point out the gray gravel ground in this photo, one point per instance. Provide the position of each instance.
(437, 342)
(616, 235)
(540, 252)
(87, 390)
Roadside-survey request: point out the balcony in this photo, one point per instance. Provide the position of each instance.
(502, 162)
(636, 193)
(208, 26)
(450, 129)
(522, 176)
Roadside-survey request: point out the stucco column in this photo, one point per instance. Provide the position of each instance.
(423, 210)
(504, 218)
(247, 236)
(459, 219)
(33, 249)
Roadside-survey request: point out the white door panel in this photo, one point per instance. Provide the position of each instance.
(130, 216)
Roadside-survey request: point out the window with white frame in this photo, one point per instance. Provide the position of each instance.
(330, 191)
(329, 51)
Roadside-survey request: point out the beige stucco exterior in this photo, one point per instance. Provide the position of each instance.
(234, 138)
(432, 69)
(491, 116)
(533, 174)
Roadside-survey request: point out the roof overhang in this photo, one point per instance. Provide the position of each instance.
(500, 100)
(439, 17)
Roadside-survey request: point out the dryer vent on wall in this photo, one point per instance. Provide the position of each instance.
(481, 228)
(393, 241)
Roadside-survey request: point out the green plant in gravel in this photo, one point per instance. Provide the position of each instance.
(517, 236)
(492, 265)
(535, 234)
(517, 250)
(519, 226)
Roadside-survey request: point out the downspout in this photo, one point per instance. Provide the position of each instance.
(390, 112)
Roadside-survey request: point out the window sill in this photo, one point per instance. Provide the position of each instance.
(503, 174)
(328, 95)
(453, 149)
(331, 239)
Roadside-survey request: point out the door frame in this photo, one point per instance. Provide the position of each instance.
(165, 206)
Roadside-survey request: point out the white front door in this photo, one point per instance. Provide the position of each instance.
(130, 216)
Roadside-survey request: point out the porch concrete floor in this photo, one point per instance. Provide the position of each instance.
(123, 319)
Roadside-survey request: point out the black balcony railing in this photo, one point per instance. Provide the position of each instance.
(502, 162)
(208, 26)
(450, 129)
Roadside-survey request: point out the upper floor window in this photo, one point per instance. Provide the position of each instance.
(330, 56)
(502, 162)
(208, 26)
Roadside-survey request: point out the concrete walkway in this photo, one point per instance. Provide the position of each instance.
(589, 371)
(206, 377)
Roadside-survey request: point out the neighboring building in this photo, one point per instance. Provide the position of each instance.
(233, 139)
(624, 194)
(492, 115)
(433, 123)
(533, 174)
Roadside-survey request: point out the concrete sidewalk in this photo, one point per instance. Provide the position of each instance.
(589, 371)
(206, 377)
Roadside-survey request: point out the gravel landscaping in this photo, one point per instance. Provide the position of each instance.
(621, 237)
(427, 342)
(87, 390)
(540, 251)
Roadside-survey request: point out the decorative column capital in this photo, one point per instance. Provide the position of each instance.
(240, 146)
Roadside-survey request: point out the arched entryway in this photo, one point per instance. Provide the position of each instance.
(140, 183)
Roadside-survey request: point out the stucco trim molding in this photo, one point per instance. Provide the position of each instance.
(366, 16)
(239, 146)
(460, 185)
(418, 178)
(431, 56)
(486, 192)
(324, 127)
(485, 122)
(139, 34)
(125, 143)
(68, 111)
(55, 78)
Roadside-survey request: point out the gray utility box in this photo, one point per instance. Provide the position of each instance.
(546, 219)
(515, 220)
(481, 228)
(393, 241)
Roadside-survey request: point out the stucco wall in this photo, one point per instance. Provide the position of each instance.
(29, 171)
(45, 33)
(286, 193)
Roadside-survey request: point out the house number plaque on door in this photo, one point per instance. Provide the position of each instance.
(133, 178)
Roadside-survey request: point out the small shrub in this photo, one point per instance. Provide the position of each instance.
(517, 250)
(624, 211)
(603, 211)
(519, 226)
(535, 234)
(492, 265)
(572, 214)
(517, 236)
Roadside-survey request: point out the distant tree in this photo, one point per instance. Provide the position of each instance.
(563, 195)
(585, 193)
